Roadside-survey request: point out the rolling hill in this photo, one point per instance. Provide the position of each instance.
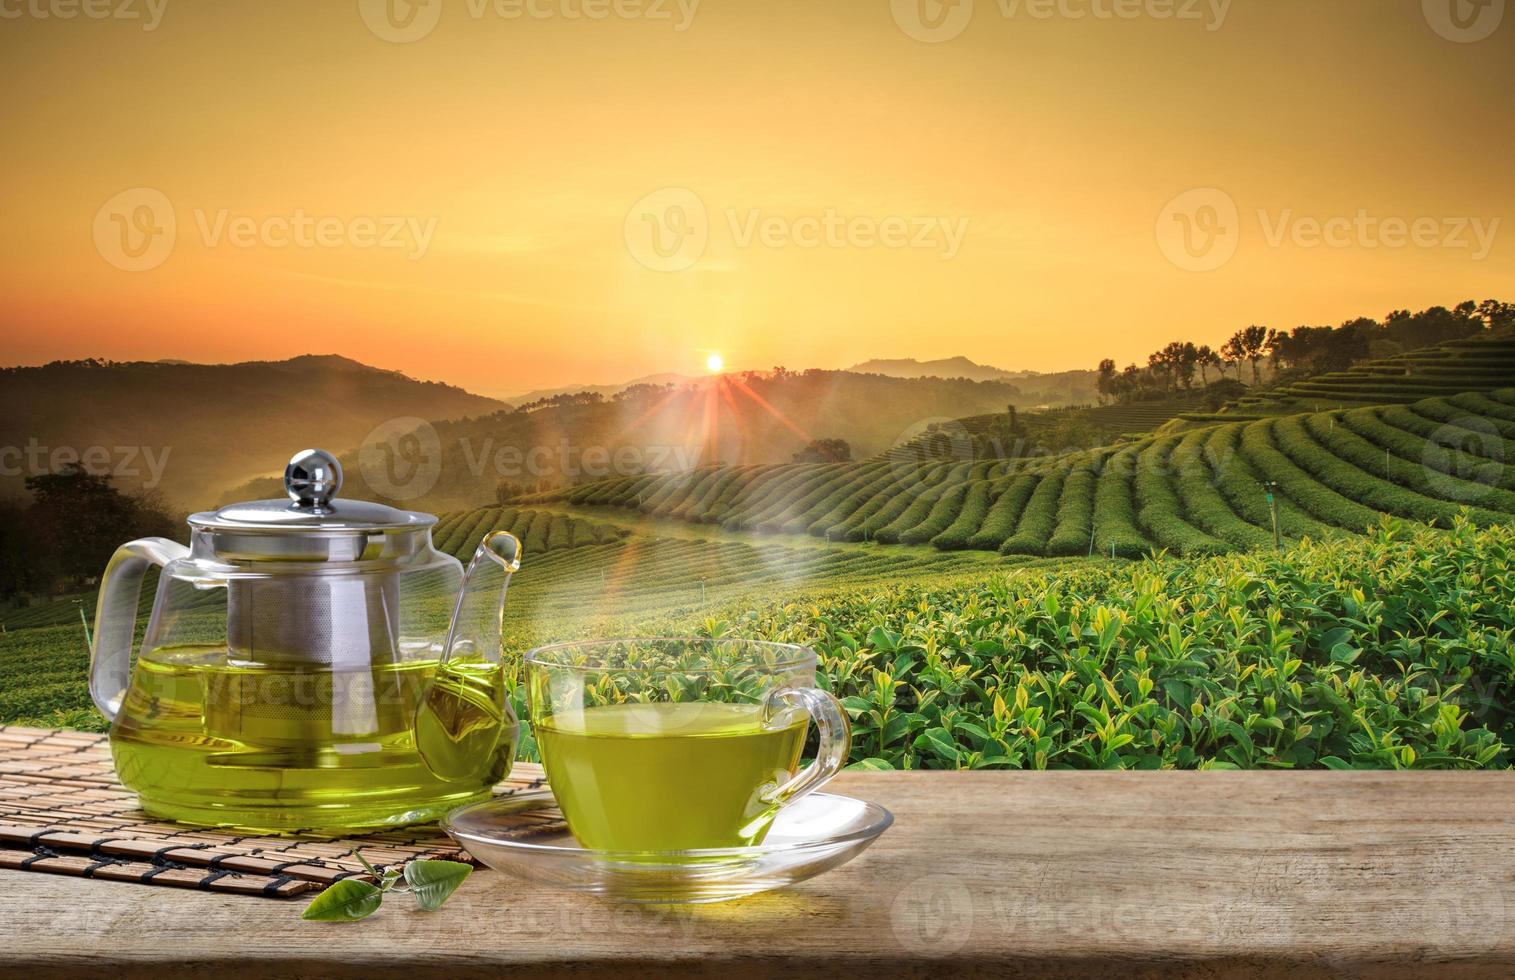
(196, 429)
(1037, 389)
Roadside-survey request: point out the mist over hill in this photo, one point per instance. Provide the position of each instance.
(747, 418)
(193, 430)
(1053, 390)
(606, 390)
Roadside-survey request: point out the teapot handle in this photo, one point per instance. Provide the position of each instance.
(116, 617)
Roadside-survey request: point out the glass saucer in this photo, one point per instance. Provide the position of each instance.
(525, 836)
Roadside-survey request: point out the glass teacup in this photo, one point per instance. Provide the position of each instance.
(679, 744)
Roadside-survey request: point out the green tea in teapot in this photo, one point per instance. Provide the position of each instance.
(205, 738)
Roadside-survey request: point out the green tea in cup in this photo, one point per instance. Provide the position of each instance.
(664, 745)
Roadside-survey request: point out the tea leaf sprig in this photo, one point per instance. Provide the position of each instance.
(431, 882)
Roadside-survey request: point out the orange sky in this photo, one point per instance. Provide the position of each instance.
(845, 189)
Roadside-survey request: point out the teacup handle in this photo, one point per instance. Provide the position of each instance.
(835, 741)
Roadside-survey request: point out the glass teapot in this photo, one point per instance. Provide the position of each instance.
(310, 663)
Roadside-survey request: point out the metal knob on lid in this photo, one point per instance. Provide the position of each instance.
(310, 523)
(312, 479)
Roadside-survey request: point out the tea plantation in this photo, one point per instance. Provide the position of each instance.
(1198, 492)
(1387, 651)
(1120, 606)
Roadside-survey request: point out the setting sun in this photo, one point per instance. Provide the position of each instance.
(714, 364)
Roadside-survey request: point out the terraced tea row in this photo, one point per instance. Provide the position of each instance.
(1030, 433)
(1474, 364)
(647, 573)
(460, 532)
(1193, 493)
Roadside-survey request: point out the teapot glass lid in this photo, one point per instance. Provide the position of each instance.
(311, 480)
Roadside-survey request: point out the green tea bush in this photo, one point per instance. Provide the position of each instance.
(1480, 404)
(900, 497)
(1387, 651)
(1418, 475)
(1158, 511)
(1115, 531)
(975, 506)
(1441, 410)
(1202, 502)
(535, 541)
(800, 498)
(1486, 444)
(862, 478)
(1242, 487)
(1005, 512)
(922, 505)
(1073, 533)
(1439, 456)
(692, 489)
(802, 478)
(1301, 488)
(1037, 520)
(947, 507)
(850, 527)
(850, 503)
(1343, 477)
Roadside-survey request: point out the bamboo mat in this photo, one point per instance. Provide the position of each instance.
(62, 811)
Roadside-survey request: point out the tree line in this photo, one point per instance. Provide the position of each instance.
(74, 522)
(1304, 350)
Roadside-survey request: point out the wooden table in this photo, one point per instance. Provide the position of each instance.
(992, 874)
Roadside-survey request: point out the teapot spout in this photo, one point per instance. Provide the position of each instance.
(465, 729)
(479, 616)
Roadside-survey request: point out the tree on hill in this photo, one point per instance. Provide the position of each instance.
(1105, 380)
(73, 525)
(1205, 357)
(1248, 344)
(1497, 315)
(825, 451)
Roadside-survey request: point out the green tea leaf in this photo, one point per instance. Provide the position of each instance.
(873, 763)
(432, 882)
(345, 901)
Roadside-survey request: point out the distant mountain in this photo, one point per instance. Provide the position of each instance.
(947, 367)
(1042, 390)
(608, 391)
(194, 430)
